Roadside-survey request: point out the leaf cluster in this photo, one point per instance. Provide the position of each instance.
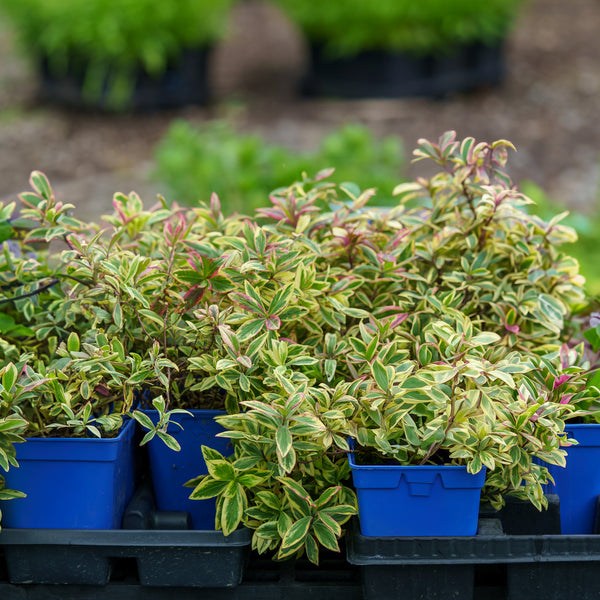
(430, 333)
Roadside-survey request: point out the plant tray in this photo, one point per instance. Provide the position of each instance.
(189, 558)
(183, 83)
(380, 74)
(162, 545)
(495, 564)
(508, 553)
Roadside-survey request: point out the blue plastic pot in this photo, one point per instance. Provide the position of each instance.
(578, 484)
(171, 469)
(397, 500)
(72, 483)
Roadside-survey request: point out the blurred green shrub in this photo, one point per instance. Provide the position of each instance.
(114, 37)
(587, 249)
(244, 169)
(419, 27)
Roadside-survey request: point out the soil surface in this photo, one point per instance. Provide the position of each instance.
(548, 107)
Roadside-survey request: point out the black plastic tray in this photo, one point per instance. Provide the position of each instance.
(184, 82)
(508, 558)
(164, 558)
(155, 564)
(161, 549)
(380, 74)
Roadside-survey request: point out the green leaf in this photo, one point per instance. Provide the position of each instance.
(295, 535)
(148, 437)
(6, 494)
(484, 338)
(143, 419)
(250, 480)
(380, 374)
(287, 462)
(331, 523)
(73, 342)
(295, 488)
(7, 323)
(232, 512)
(249, 329)
(9, 377)
(325, 536)
(327, 496)
(221, 469)
(330, 368)
(552, 308)
(312, 549)
(269, 499)
(208, 488)
(39, 182)
(283, 439)
(118, 315)
(284, 522)
(169, 440)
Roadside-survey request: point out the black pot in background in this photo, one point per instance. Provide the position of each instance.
(382, 74)
(184, 82)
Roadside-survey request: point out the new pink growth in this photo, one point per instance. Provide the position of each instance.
(560, 380)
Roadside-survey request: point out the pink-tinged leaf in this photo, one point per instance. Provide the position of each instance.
(324, 174)
(398, 319)
(245, 361)
(195, 289)
(226, 333)
(248, 303)
(118, 204)
(35, 384)
(271, 213)
(512, 328)
(272, 322)
(215, 204)
(386, 257)
(180, 226)
(560, 380)
(536, 415)
(566, 398)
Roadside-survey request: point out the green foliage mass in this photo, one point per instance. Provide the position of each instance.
(586, 248)
(243, 169)
(114, 38)
(430, 333)
(416, 27)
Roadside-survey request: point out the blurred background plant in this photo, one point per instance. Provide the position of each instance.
(109, 41)
(243, 169)
(424, 27)
(586, 249)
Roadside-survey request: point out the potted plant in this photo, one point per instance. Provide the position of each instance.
(425, 337)
(92, 324)
(397, 48)
(120, 55)
(79, 449)
(577, 483)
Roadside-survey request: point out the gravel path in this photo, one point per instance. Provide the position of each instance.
(548, 107)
